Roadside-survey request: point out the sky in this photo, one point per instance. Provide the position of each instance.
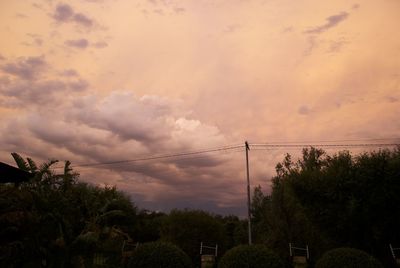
(95, 81)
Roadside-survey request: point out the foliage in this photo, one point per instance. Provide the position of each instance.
(159, 254)
(148, 226)
(188, 228)
(327, 201)
(235, 232)
(255, 256)
(347, 258)
(54, 219)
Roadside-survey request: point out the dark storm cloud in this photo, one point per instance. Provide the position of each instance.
(332, 21)
(25, 68)
(78, 43)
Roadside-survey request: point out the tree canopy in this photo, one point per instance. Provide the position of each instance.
(328, 201)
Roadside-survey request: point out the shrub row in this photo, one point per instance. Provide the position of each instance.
(160, 254)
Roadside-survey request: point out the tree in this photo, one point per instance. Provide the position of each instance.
(328, 201)
(54, 219)
(188, 228)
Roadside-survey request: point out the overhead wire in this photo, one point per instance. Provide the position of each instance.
(320, 145)
(181, 155)
(170, 160)
(331, 141)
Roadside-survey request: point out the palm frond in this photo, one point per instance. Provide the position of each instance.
(67, 168)
(21, 163)
(32, 165)
(45, 167)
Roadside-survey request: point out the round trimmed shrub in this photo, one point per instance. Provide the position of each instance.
(159, 254)
(254, 256)
(347, 258)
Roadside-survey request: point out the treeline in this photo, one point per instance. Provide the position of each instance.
(54, 220)
(323, 201)
(329, 201)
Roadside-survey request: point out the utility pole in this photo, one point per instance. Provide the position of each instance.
(246, 144)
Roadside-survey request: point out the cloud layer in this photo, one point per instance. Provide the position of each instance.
(101, 81)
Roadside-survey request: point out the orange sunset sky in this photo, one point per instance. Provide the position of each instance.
(105, 80)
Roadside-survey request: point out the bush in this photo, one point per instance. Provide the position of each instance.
(347, 258)
(255, 256)
(159, 254)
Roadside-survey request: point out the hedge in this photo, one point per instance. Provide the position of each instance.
(159, 254)
(347, 258)
(254, 256)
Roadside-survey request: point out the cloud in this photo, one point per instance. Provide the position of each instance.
(36, 39)
(392, 99)
(332, 21)
(100, 44)
(159, 11)
(94, 1)
(25, 68)
(21, 16)
(162, 7)
(82, 20)
(336, 45)
(304, 110)
(34, 93)
(25, 83)
(179, 10)
(70, 73)
(78, 43)
(232, 28)
(64, 13)
(78, 85)
(150, 118)
(123, 126)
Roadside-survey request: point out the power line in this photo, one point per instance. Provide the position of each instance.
(137, 164)
(353, 145)
(331, 141)
(254, 146)
(182, 155)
